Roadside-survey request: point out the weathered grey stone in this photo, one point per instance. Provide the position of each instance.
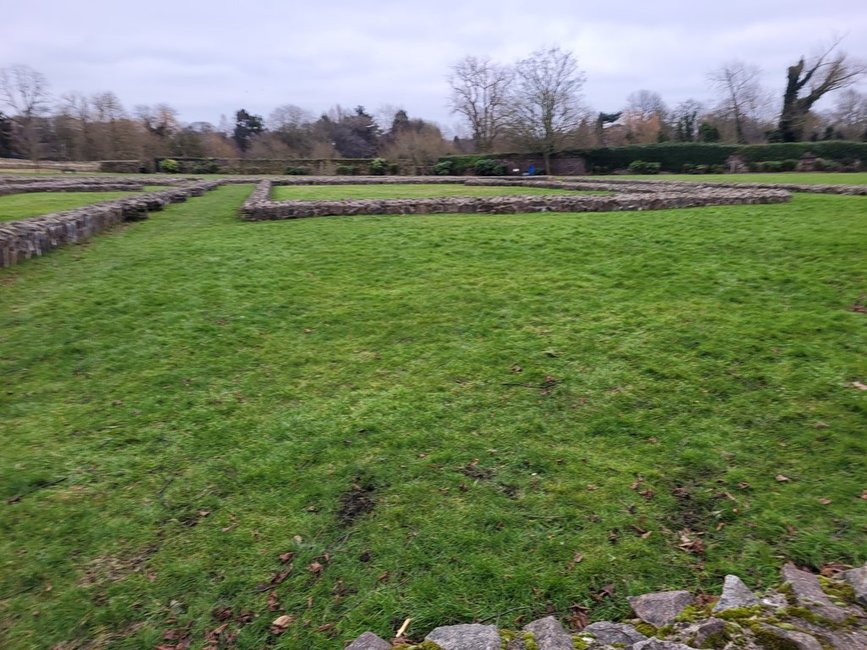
(735, 594)
(659, 644)
(369, 641)
(549, 634)
(660, 608)
(838, 639)
(712, 627)
(808, 592)
(858, 579)
(466, 637)
(609, 633)
(774, 601)
(797, 640)
(846, 639)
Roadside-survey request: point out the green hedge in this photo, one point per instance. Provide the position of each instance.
(838, 150)
(671, 157)
(680, 156)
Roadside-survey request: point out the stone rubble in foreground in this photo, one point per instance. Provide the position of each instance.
(806, 612)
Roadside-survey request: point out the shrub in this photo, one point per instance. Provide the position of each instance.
(824, 165)
(488, 167)
(378, 166)
(206, 167)
(717, 169)
(444, 168)
(642, 167)
(346, 170)
(790, 165)
(170, 166)
(296, 171)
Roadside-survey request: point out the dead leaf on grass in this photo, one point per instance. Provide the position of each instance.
(825, 501)
(315, 568)
(859, 385)
(273, 602)
(281, 624)
(780, 478)
(578, 618)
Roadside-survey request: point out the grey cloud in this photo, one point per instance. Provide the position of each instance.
(211, 58)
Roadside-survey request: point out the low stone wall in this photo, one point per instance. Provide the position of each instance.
(849, 190)
(26, 238)
(372, 180)
(259, 208)
(24, 188)
(805, 612)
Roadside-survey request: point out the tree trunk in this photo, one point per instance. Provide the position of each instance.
(792, 116)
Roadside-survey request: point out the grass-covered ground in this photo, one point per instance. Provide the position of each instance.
(22, 206)
(399, 191)
(448, 418)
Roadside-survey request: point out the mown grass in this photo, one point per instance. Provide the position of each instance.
(824, 178)
(22, 206)
(441, 412)
(397, 191)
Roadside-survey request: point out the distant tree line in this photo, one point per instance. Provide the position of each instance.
(532, 105)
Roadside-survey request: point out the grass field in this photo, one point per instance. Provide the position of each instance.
(449, 418)
(22, 206)
(399, 191)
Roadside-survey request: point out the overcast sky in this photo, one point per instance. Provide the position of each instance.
(212, 58)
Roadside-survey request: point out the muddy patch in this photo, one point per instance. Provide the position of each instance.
(357, 501)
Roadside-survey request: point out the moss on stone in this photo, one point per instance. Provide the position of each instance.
(530, 641)
(739, 613)
(645, 628)
(771, 641)
(839, 591)
(716, 641)
(693, 613)
(579, 643)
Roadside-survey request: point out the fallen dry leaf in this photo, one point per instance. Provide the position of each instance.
(578, 618)
(315, 568)
(281, 623)
(782, 479)
(286, 557)
(864, 495)
(691, 544)
(833, 569)
(273, 602)
(325, 628)
(223, 614)
(825, 501)
(859, 385)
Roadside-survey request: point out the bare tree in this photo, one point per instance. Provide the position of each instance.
(480, 94)
(646, 104)
(741, 94)
(824, 73)
(545, 106)
(850, 114)
(684, 119)
(645, 117)
(24, 91)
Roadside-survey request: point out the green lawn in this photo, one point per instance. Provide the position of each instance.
(399, 191)
(829, 178)
(434, 414)
(22, 206)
